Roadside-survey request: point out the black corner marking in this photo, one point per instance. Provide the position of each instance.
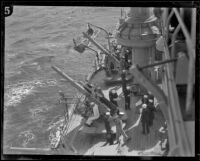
(8, 10)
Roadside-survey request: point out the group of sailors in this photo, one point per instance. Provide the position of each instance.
(123, 55)
(114, 113)
(147, 111)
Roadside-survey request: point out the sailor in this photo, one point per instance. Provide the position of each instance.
(145, 99)
(119, 128)
(127, 98)
(94, 116)
(151, 112)
(99, 95)
(85, 109)
(113, 96)
(145, 119)
(150, 96)
(109, 132)
(163, 136)
(105, 117)
(126, 58)
(128, 64)
(114, 45)
(122, 62)
(123, 78)
(63, 101)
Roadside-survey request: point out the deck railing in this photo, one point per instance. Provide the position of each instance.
(177, 132)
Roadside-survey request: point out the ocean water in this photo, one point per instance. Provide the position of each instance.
(35, 38)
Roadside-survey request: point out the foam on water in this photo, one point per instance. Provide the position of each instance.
(14, 94)
(27, 136)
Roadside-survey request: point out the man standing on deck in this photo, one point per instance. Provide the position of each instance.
(123, 78)
(126, 91)
(128, 98)
(145, 99)
(119, 128)
(113, 96)
(151, 112)
(145, 119)
(109, 132)
(94, 116)
(150, 96)
(102, 99)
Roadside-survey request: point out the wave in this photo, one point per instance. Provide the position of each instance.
(39, 60)
(17, 23)
(34, 28)
(58, 37)
(21, 42)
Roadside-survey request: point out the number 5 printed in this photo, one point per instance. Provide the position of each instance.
(8, 10)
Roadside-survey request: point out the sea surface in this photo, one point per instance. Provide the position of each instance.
(35, 38)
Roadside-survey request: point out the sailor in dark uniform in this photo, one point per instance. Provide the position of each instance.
(145, 99)
(123, 78)
(100, 96)
(127, 59)
(151, 112)
(150, 96)
(145, 119)
(126, 91)
(113, 96)
(127, 98)
(109, 133)
(119, 129)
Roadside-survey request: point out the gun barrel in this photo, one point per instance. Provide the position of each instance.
(69, 79)
(79, 87)
(96, 44)
(99, 46)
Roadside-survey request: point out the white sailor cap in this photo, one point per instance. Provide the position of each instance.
(145, 96)
(114, 91)
(128, 87)
(144, 106)
(92, 103)
(151, 100)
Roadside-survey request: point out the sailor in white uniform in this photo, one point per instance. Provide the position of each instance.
(95, 114)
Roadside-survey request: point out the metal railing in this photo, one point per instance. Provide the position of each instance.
(177, 132)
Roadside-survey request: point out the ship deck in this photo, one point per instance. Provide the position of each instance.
(139, 145)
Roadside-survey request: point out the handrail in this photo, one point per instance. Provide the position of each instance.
(191, 70)
(185, 32)
(177, 128)
(176, 113)
(76, 104)
(173, 47)
(190, 42)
